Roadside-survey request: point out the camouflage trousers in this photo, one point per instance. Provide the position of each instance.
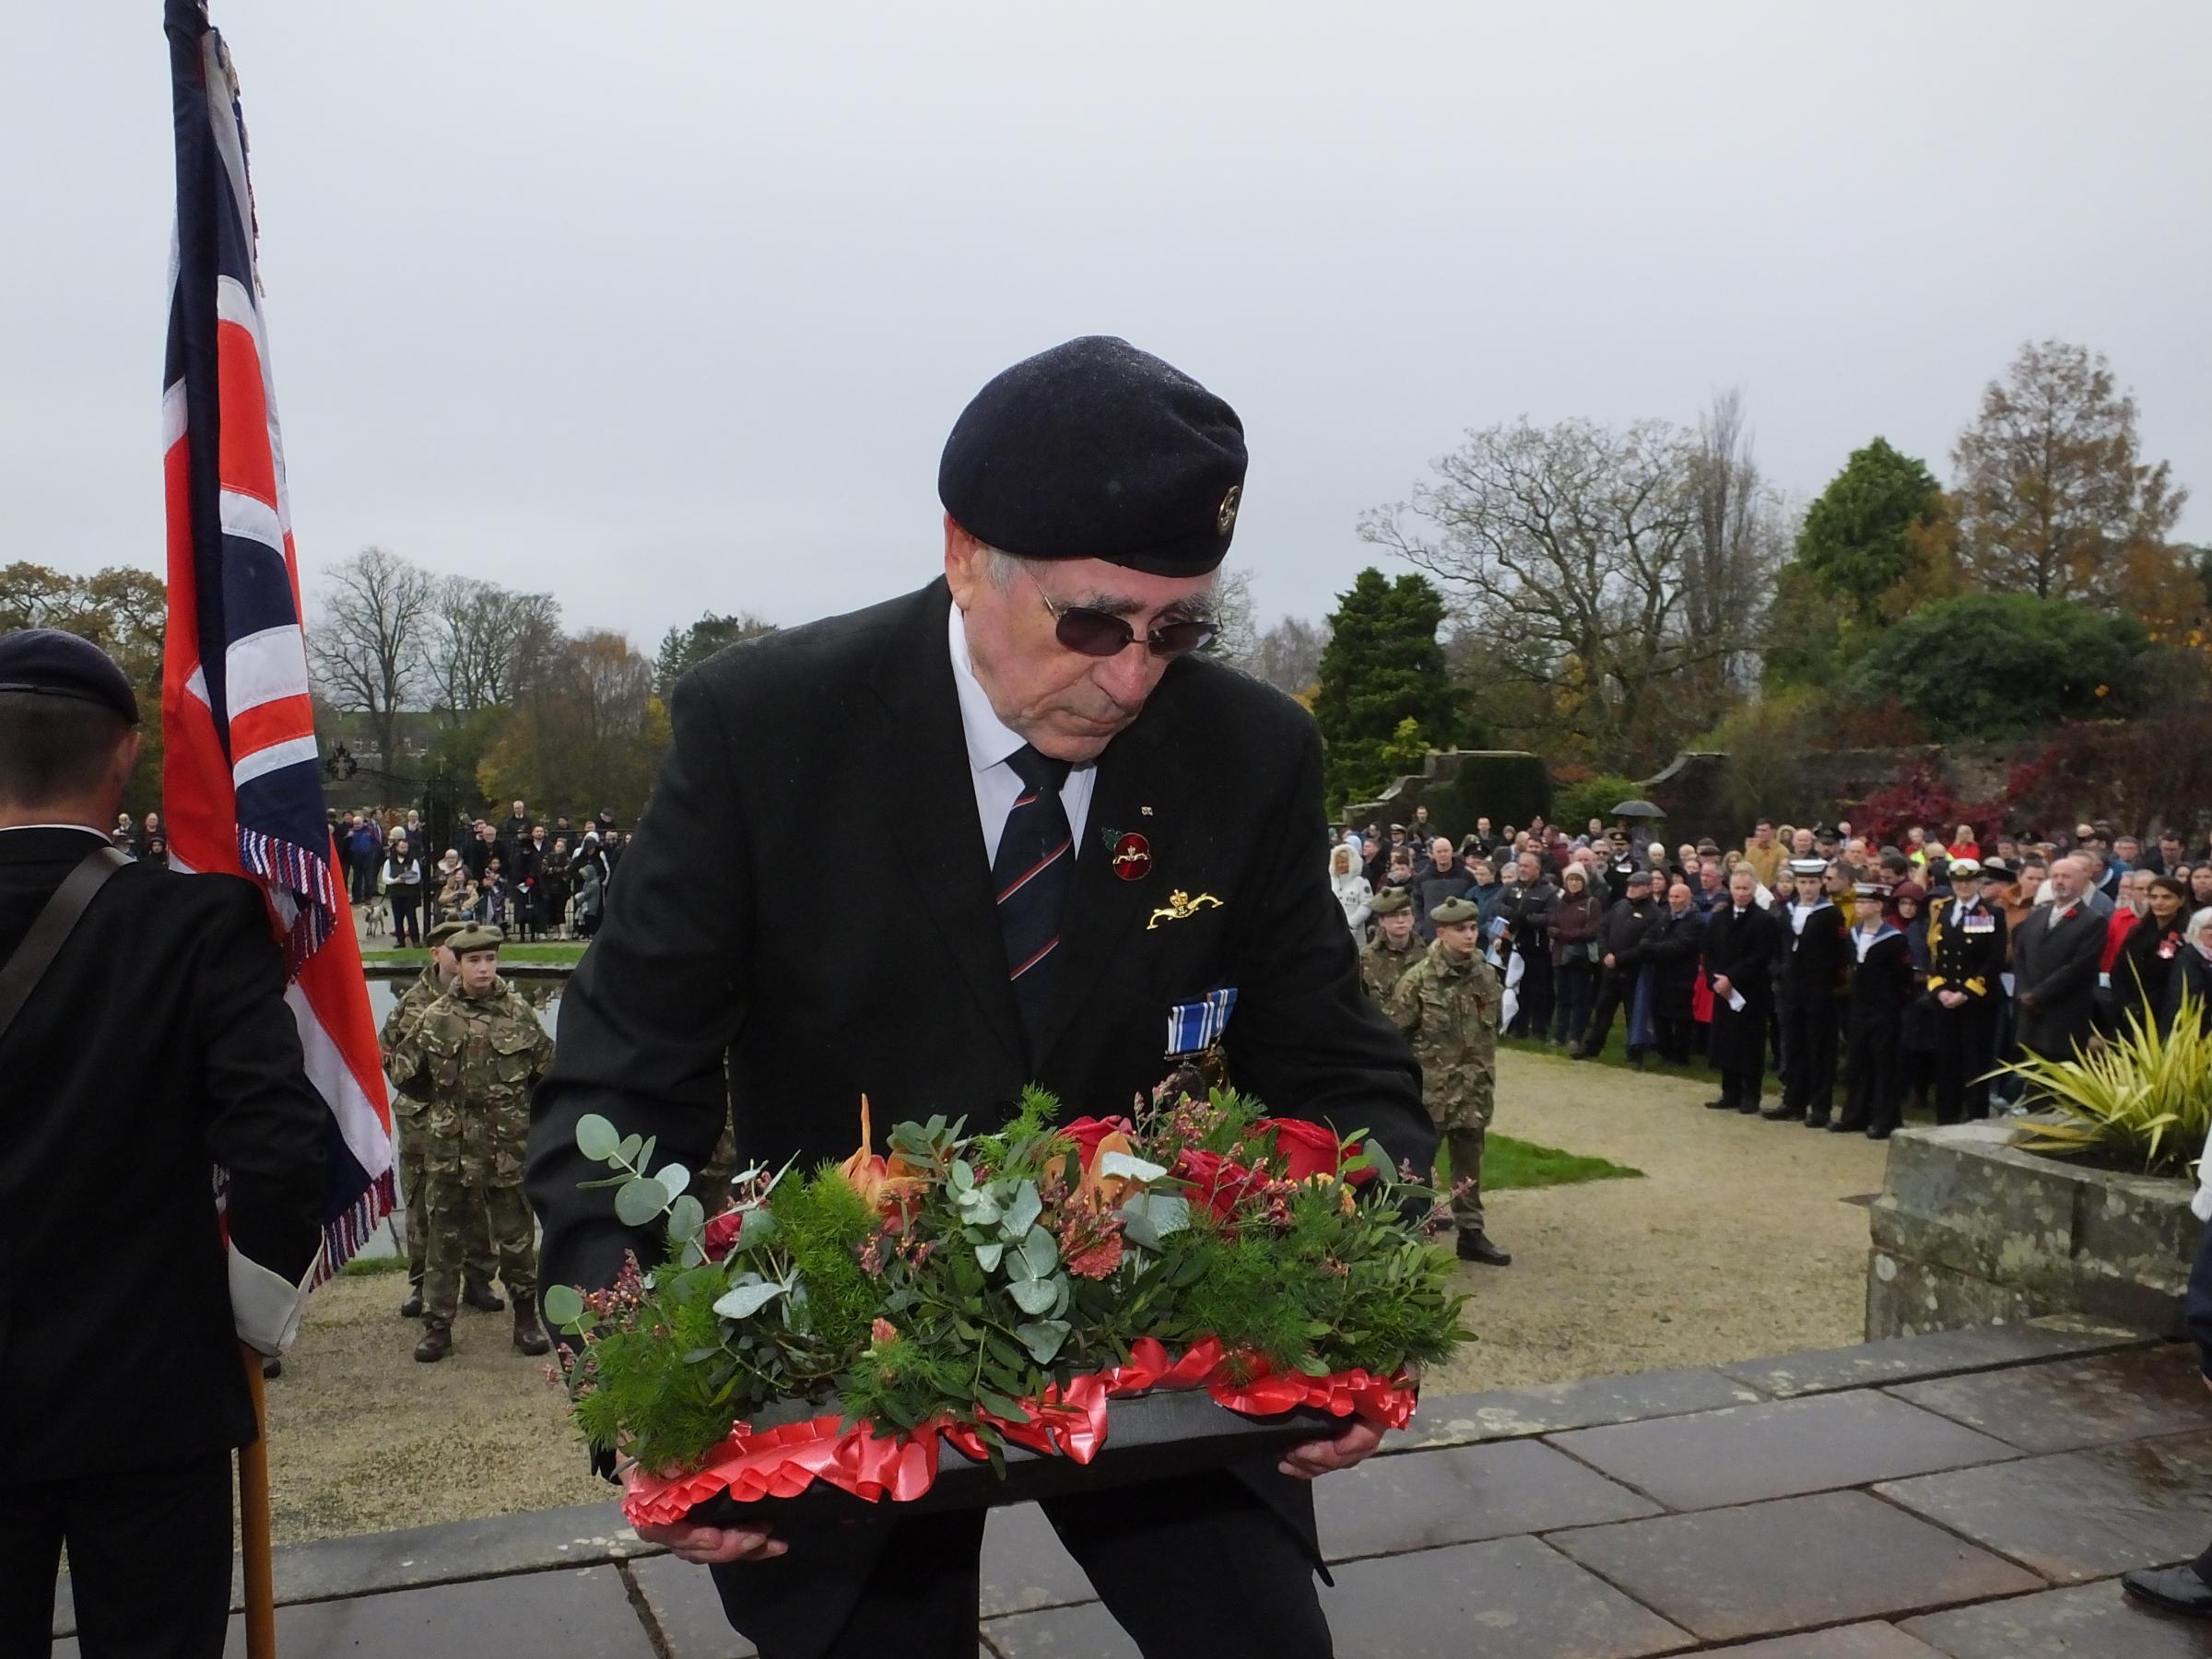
(1464, 1124)
(453, 1204)
(477, 1263)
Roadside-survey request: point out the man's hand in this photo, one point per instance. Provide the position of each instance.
(1950, 999)
(1352, 1447)
(1720, 987)
(713, 1545)
(1609, 962)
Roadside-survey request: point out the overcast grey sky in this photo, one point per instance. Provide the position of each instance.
(667, 307)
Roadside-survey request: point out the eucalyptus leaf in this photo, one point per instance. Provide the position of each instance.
(987, 1256)
(686, 1217)
(628, 1150)
(963, 1175)
(1035, 1296)
(596, 1137)
(676, 1178)
(1379, 1160)
(1128, 1165)
(1062, 1294)
(1041, 1251)
(742, 1301)
(638, 1201)
(1042, 1337)
(1022, 1214)
(758, 1227)
(564, 1304)
(643, 1157)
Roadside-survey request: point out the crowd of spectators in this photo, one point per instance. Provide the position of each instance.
(1904, 974)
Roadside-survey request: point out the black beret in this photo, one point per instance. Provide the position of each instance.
(1096, 450)
(55, 663)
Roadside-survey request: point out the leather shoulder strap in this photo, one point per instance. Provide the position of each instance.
(52, 929)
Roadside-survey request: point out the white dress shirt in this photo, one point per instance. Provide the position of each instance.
(992, 742)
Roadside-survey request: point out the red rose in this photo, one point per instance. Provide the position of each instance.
(1221, 1184)
(1306, 1149)
(721, 1234)
(1087, 1133)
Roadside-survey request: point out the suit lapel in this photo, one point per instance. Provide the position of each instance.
(927, 805)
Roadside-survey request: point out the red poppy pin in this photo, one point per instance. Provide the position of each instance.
(1131, 857)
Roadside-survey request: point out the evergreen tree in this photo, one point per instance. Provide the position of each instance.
(1859, 538)
(1383, 666)
(685, 648)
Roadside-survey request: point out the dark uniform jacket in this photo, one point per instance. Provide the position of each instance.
(1881, 979)
(818, 991)
(2055, 966)
(156, 1045)
(1817, 957)
(1964, 955)
(1672, 946)
(1627, 927)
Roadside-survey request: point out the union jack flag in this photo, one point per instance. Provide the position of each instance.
(241, 785)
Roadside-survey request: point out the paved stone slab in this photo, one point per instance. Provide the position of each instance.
(1942, 1354)
(2077, 1402)
(1779, 1449)
(532, 1541)
(1462, 1494)
(1502, 1413)
(2078, 1515)
(683, 1603)
(1024, 1565)
(2085, 1623)
(526, 1614)
(1840, 1641)
(1511, 1598)
(1769, 1569)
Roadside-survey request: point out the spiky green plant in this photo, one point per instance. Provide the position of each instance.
(2144, 1095)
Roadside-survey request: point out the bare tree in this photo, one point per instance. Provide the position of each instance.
(1236, 618)
(1289, 654)
(368, 648)
(1744, 533)
(486, 642)
(1569, 547)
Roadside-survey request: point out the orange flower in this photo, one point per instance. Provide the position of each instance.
(891, 1185)
(1104, 1192)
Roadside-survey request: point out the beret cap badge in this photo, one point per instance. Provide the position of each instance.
(1225, 518)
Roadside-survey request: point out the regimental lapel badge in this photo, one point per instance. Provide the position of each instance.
(1131, 857)
(1180, 907)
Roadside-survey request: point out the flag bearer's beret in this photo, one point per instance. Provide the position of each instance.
(55, 663)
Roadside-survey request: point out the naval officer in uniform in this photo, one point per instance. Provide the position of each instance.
(1090, 826)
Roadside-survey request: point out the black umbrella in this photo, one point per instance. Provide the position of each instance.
(1637, 809)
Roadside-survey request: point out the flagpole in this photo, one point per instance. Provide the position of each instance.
(254, 1545)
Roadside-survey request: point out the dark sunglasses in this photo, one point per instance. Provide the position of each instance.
(1096, 634)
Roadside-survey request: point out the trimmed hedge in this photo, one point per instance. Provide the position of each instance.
(1503, 785)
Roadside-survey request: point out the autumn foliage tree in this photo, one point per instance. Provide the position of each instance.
(589, 733)
(122, 610)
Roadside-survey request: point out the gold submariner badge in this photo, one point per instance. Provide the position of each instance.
(1180, 906)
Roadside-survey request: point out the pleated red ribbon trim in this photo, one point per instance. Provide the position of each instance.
(783, 1461)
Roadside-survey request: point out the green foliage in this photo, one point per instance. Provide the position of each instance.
(2142, 1097)
(1997, 664)
(825, 1224)
(1592, 798)
(1508, 1163)
(1505, 786)
(1383, 665)
(1857, 541)
(683, 649)
(646, 1394)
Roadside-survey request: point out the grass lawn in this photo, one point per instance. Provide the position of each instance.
(1616, 1053)
(369, 1266)
(571, 953)
(1507, 1163)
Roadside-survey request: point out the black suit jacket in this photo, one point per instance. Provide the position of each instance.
(819, 991)
(2054, 975)
(157, 1046)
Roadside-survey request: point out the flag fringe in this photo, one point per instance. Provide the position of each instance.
(346, 1232)
(305, 876)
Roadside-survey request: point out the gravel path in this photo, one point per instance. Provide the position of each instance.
(1736, 1243)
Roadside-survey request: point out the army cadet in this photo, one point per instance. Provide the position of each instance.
(1395, 947)
(1447, 1005)
(474, 1056)
(1966, 955)
(478, 1265)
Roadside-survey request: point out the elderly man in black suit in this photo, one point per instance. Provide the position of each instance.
(1093, 827)
(144, 1038)
(2055, 955)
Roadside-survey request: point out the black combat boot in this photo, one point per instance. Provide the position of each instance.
(1476, 1247)
(436, 1343)
(480, 1295)
(412, 1307)
(529, 1336)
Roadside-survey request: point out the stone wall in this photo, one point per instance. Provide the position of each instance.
(1970, 1230)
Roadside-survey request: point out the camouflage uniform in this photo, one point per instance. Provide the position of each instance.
(476, 1060)
(478, 1265)
(1381, 968)
(1449, 1012)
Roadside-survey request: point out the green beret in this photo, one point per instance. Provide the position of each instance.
(1389, 901)
(443, 932)
(476, 936)
(1452, 910)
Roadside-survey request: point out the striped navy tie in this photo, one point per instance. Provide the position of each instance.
(1035, 856)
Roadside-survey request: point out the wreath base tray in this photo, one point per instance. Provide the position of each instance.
(1155, 1436)
(1168, 1417)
